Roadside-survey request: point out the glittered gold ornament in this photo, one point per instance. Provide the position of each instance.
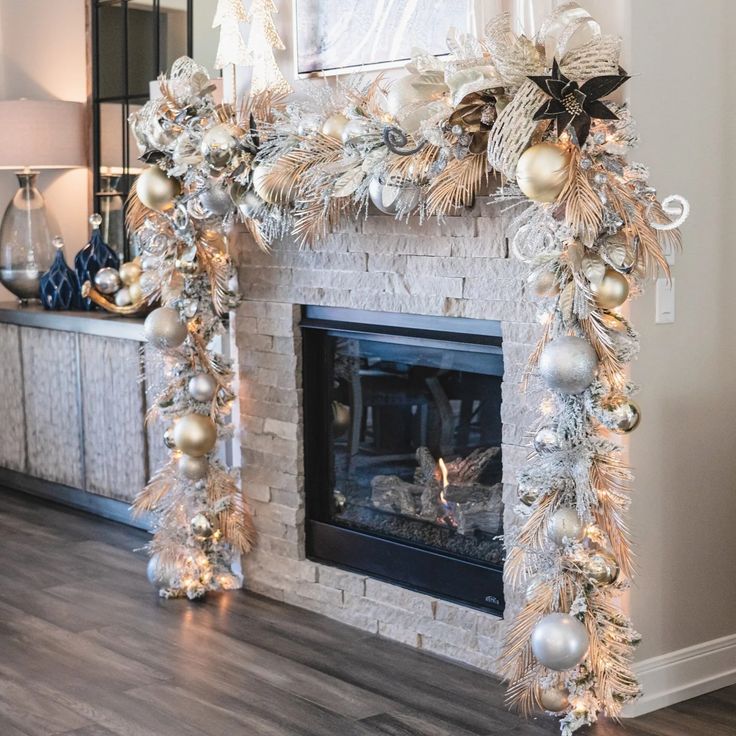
(220, 144)
(156, 190)
(600, 566)
(565, 524)
(195, 434)
(612, 291)
(193, 468)
(164, 329)
(625, 413)
(130, 272)
(543, 283)
(542, 171)
(334, 126)
(271, 187)
(554, 699)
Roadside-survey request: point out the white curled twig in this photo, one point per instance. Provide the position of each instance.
(674, 206)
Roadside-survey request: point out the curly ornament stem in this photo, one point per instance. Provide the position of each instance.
(680, 211)
(395, 140)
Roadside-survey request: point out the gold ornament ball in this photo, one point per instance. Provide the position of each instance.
(542, 171)
(156, 190)
(543, 284)
(334, 126)
(136, 292)
(193, 468)
(164, 329)
(601, 566)
(195, 434)
(554, 699)
(263, 184)
(565, 524)
(612, 291)
(130, 273)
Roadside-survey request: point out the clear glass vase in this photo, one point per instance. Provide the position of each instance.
(26, 235)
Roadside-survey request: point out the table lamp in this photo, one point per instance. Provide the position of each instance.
(36, 134)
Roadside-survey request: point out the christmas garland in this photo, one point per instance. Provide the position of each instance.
(589, 227)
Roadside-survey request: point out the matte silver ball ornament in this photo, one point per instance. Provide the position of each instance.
(547, 440)
(202, 387)
(107, 281)
(568, 364)
(554, 699)
(565, 524)
(559, 641)
(193, 468)
(164, 329)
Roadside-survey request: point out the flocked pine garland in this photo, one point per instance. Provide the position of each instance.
(589, 227)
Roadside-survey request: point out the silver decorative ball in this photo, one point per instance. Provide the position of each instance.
(568, 364)
(123, 297)
(565, 524)
(163, 328)
(527, 494)
(547, 440)
(202, 387)
(559, 641)
(394, 198)
(169, 438)
(625, 413)
(154, 572)
(200, 525)
(355, 129)
(215, 199)
(107, 281)
(219, 144)
(601, 567)
(554, 699)
(532, 587)
(193, 468)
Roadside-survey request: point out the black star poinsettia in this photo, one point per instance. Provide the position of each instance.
(574, 104)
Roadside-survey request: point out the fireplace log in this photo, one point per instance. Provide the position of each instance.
(391, 493)
(480, 508)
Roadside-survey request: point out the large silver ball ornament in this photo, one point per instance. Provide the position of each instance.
(395, 197)
(195, 434)
(546, 440)
(202, 387)
(601, 567)
(219, 144)
(565, 524)
(568, 364)
(559, 641)
(193, 468)
(156, 190)
(155, 572)
(554, 699)
(107, 281)
(163, 328)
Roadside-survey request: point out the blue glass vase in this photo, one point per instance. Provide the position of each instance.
(94, 256)
(59, 285)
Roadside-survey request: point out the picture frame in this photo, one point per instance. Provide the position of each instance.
(336, 37)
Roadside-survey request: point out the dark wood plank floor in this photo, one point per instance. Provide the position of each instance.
(88, 649)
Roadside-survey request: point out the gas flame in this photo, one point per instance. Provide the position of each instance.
(443, 470)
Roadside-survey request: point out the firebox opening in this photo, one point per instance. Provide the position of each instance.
(403, 449)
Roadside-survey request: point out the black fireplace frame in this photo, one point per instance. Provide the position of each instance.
(441, 574)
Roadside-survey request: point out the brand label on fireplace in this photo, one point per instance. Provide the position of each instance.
(493, 600)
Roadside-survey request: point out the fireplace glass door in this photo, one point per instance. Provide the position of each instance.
(403, 449)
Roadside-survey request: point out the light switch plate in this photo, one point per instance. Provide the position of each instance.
(665, 302)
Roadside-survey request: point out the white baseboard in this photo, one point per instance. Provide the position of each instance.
(686, 673)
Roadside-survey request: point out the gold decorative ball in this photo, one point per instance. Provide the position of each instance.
(334, 125)
(136, 292)
(195, 434)
(542, 171)
(164, 329)
(612, 291)
(554, 699)
(543, 284)
(565, 524)
(156, 190)
(130, 272)
(193, 468)
(625, 412)
(267, 188)
(601, 566)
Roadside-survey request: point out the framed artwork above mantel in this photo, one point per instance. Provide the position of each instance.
(334, 37)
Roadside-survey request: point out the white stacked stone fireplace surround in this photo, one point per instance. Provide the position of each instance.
(460, 267)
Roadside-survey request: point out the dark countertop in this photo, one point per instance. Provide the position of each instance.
(96, 322)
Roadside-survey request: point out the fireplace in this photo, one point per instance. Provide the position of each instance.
(402, 441)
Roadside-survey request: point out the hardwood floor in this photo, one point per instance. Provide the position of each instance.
(88, 649)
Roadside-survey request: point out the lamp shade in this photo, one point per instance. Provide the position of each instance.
(42, 134)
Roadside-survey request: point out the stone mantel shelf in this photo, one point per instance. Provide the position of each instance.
(97, 323)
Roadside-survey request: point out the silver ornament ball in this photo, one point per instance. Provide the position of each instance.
(107, 281)
(169, 438)
(154, 572)
(201, 526)
(527, 494)
(164, 329)
(568, 364)
(395, 197)
(123, 297)
(202, 387)
(215, 199)
(559, 641)
(601, 567)
(565, 524)
(193, 468)
(547, 440)
(219, 144)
